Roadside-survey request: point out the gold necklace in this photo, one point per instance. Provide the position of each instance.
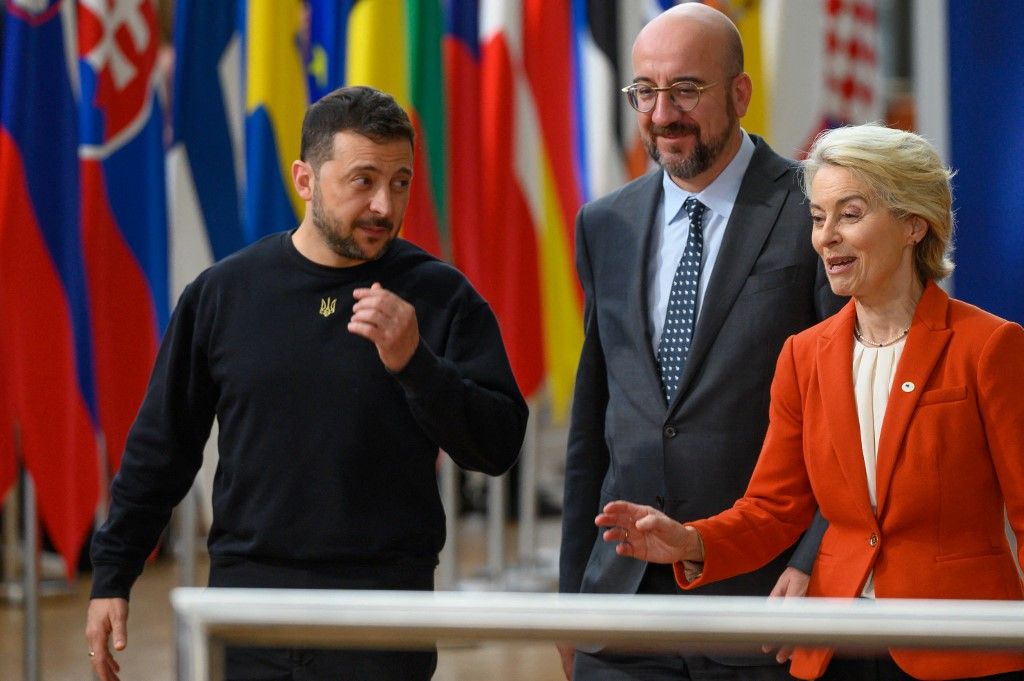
(865, 341)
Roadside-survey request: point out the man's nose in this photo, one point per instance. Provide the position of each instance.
(381, 202)
(665, 110)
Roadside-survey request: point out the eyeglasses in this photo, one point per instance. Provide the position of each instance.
(684, 94)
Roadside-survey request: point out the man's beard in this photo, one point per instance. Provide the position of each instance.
(346, 246)
(702, 157)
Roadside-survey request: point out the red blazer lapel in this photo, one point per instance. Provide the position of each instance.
(835, 381)
(928, 337)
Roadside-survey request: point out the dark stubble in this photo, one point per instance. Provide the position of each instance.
(331, 231)
(704, 153)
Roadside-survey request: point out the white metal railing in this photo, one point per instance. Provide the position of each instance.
(209, 619)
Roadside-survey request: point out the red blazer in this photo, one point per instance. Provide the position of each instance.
(951, 452)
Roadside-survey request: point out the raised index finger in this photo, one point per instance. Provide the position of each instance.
(626, 507)
(376, 290)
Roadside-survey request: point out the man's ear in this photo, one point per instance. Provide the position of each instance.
(303, 178)
(741, 90)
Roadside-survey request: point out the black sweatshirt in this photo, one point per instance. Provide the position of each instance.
(327, 459)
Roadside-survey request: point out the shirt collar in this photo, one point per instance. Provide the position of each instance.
(720, 195)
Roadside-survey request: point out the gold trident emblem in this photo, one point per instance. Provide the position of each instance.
(327, 306)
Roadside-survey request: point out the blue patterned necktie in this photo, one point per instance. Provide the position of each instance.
(682, 305)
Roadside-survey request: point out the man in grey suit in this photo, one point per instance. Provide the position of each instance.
(683, 326)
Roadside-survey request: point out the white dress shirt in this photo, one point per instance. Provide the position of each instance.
(668, 238)
(873, 372)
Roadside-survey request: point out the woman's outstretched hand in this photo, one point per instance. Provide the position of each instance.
(646, 533)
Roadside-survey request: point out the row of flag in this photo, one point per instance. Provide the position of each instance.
(83, 246)
(121, 181)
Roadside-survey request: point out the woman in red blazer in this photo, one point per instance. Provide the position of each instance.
(899, 417)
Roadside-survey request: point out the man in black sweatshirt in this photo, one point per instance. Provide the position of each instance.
(337, 360)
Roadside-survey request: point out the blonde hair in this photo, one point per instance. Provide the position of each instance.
(905, 174)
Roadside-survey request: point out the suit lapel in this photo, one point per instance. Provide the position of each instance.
(757, 208)
(644, 206)
(835, 381)
(928, 338)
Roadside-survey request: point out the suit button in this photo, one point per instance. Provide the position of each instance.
(873, 539)
(670, 432)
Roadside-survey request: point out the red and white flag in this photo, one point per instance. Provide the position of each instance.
(823, 68)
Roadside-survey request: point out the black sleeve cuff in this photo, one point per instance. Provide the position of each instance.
(110, 582)
(420, 373)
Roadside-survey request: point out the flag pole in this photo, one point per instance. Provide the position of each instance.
(30, 583)
(497, 490)
(527, 530)
(528, 574)
(103, 497)
(10, 542)
(447, 569)
(187, 521)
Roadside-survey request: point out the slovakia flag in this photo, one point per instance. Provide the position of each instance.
(83, 283)
(124, 210)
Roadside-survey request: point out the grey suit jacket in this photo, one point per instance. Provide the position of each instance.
(693, 458)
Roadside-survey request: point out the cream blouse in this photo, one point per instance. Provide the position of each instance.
(873, 372)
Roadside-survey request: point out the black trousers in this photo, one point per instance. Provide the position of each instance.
(614, 667)
(317, 664)
(310, 664)
(610, 665)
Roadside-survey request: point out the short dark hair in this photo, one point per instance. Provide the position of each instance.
(363, 110)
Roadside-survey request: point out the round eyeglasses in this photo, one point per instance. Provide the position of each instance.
(684, 95)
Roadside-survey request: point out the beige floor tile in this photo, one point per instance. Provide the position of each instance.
(149, 656)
